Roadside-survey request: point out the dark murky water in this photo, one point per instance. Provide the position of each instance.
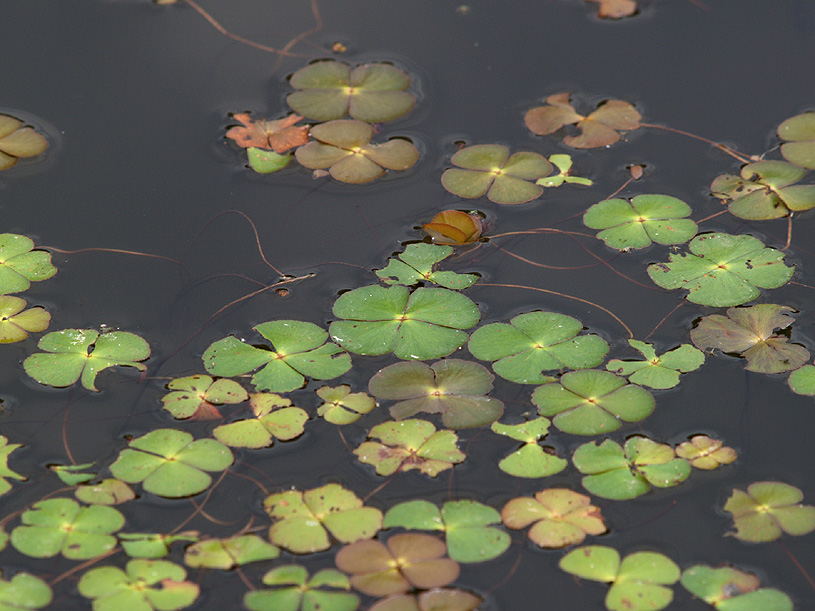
(135, 99)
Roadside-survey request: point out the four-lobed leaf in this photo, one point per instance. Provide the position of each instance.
(536, 342)
(750, 332)
(279, 135)
(73, 354)
(196, 396)
(424, 324)
(343, 406)
(292, 590)
(559, 517)
(658, 371)
(729, 589)
(274, 418)
(723, 270)
(490, 169)
(410, 444)
(20, 264)
(639, 582)
(705, 453)
(531, 460)
(416, 265)
(454, 388)
(299, 350)
(230, 552)
(768, 509)
(591, 402)
(638, 223)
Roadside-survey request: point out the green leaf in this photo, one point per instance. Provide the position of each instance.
(195, 394)
(60, 525)
(799, 131)
(702, 452)
(559, 516)
(266, 162)
(642, 221)
(536, 342)
(16, 324)
(410, 444)
(638, 581)
(327, 589)
(24, 591)
(468, 524)
(658, 372)
(107, 492)
(74, 353)
(152, 545)
(454, 388)
(274, 418)
(729, 589)
(564, 165)
(19, 264)
(802, 380)
(299, 349)
(416, 264)
(342, 406)
(765, 190)
(591, 402)
(404, 562)
(144, 585)
(767, 509)
(304, 519)
(489, 168)
(749, 331)
(723, 270)
(425, 324)
(228, 553)
(6, 449)
(330, 90)
(170, 464)
(531, 460)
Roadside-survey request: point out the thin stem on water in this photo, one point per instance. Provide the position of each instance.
(718, 145)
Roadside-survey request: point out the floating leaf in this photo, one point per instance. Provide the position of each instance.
(802, 381)
(799, 131)
(617, 473)
(640, 222)
(228, 553)
(274, 417)
(72, 354)
(705, 453)
(293, 590)
(279, 136)
(765, 190)
(638, 583)
(152, 545)
(144, 585)
(431, 600)
(196, 396)
(15, 325)
(749, 331)
(404, 562)
(615, 9)
(730, 589)
(426, 324)
(454, 388)
(330, 90)
(107, 492)
(564, 165)
(6, 449)
(299, 349)
(467, 524)
(170, 464)
(19, 264)
(531, 460)
(17, 141)
(416, 264)
(536, 342)
(304, 519)
(591, 402)
(600, 128)
(24, 591)
(342, 406)
(344, 149)
(61, 525)
(658, 372)
(489, 168)
(723, 270)
(454, 227)
(410, 444)
(560, 517)
(71, 475)
(266, 162)
(767, 509)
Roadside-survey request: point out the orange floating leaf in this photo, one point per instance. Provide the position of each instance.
(454, 227)
(280, 135)
(615, 9)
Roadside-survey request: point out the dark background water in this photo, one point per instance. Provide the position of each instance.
(135, 98)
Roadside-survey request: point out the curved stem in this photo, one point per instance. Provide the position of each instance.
(718, 145)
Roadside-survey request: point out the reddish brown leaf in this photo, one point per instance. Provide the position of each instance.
(279, 136)
(615, 9)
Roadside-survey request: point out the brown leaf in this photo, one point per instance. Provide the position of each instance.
(279, 136)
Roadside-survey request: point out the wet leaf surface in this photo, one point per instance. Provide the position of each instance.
(769, 509)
